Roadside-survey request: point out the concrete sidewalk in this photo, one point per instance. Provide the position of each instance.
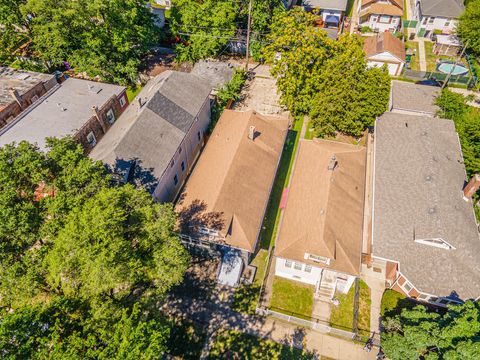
(421, 54)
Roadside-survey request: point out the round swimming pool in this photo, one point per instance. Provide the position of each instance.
(446, 68)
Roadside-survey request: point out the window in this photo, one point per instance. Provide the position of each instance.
(122, 101)
(110, 116)
(175, 180)
(199, 136)
(183, 166)
(423, 297)
(297, 266)
(91, 139)
(444, 301)
(407, 286)
(433, 299)
(385, 19)
(424, 22)
(172, 163)
(431, 20)
(179, 150)
(447, 23)
(288, 263)
(308, 268)
(316, 258)
(436, 242)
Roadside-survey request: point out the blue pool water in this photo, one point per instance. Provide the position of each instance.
(446, 67)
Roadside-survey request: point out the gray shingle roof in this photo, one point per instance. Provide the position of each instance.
(419, 177)
(414, 98)
(442, 8)
(151, 134)
(217, 73)
(326, 4)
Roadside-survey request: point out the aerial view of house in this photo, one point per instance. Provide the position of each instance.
(433, 15)
(380, 15)
(224, 200)
(19, 89)
(413, 99)
(83, 109)
(386, 49)
(174, 107)
(331, 11)
(320, 234)
(425, 236)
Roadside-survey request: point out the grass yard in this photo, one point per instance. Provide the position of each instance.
(342, 315)
(237, 345)
(414, 62)
(431, 57)
(245, 298)
(309, 134)
(270, 223)
(349, 10)
(292, 298)
(132, 92)
(393, 302)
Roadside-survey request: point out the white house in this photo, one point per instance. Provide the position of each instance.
(331, 11)
(387, 49)
(380, 15)
(320, 233)
(439, 15)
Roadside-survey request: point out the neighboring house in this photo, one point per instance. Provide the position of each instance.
(223, 204)
(19, 89)
(437, 15)
(319, 239)
(380, 15)
(216, 73)
(157, 140)
(425, 239)
(385, 49)
(331, 11)
(413, 99)
(83, 109)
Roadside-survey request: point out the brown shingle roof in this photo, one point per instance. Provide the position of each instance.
(397, 3)
(383, 42)
(382, 9)
(324, 210)
(230, 186)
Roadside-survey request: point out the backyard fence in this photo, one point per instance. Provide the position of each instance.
(468, 81)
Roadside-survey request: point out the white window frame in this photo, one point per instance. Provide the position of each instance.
(308, 268)
(122, 101)
(435, 242)
(288, 264)
(110, 116)
(91, 139)
(431, 20)
(298, 266)
(317, 258)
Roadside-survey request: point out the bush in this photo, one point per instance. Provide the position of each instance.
(393, 302)
(366, 29)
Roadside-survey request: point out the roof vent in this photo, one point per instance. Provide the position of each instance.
(333, 163)
(428, 178)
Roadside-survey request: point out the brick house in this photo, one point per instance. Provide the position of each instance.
(80, 108)
(19, 89)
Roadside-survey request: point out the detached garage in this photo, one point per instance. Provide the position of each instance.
(383, 49)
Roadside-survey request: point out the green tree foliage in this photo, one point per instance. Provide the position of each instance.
(206, 26)
(83, 263)
(349, 95)
(469, 26)
(421, 334)
(298, 52)
(69, 329)
(102, 38)
(325, 78)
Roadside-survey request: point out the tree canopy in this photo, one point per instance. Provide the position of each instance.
(325, 78)
(102, 38)
(82, 261)
(469, 26)
(206, 27)
(422, 334)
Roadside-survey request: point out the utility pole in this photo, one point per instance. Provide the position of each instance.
(248, 33)
(454, 66)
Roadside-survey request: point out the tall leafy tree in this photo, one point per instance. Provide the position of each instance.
(298, 52)
(13, 29)
(469, 26)
(421, 334)
(350, 96)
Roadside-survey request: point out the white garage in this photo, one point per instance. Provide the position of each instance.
(385, 49)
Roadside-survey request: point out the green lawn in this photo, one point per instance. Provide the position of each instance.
(245, 298)
(349, 10)
(132, 92)
(237, 345)
(309, 134)
(342, 315)
(272, 215)
(393, 302)
(414, 62)
(292, 298)
(431, 57)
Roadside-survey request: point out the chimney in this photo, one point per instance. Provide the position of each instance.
(98, 116)
(333, 163)
(251, 132)
(471, 188)
(17, 97)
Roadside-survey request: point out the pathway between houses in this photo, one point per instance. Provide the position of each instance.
(421, 54)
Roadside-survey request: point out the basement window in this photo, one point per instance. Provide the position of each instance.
(91, 139)
(110, 116)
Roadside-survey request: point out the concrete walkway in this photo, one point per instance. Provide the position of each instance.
(376, 283)
(421, 54)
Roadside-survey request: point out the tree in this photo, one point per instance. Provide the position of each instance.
(349, 96)
(13, 29)
(468, 28)
(298, 52)
(419, 333)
